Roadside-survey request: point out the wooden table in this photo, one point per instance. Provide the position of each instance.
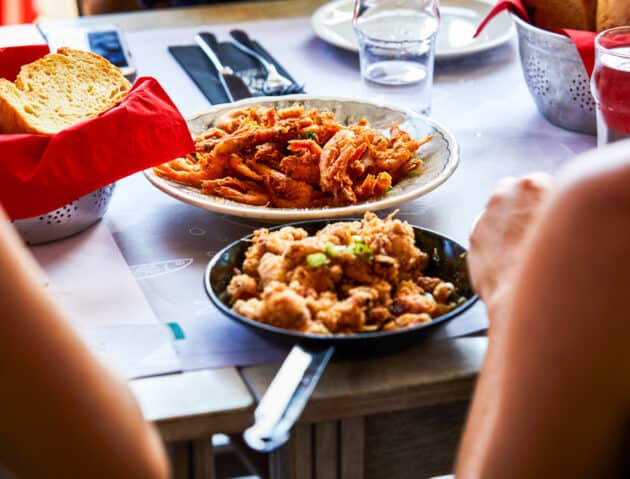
(393, 417)
(387, 417)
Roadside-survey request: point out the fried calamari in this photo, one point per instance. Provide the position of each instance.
(350, 277)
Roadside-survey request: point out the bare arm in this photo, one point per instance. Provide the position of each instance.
(554, 395)
(62, 414)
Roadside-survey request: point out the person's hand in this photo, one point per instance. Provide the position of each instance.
(498, 233)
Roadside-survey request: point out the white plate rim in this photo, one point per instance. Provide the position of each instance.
(177, 191)
(327, 35)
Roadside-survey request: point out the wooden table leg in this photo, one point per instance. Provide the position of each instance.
(419, 442)
(352, 448)
(192, 459)
(203, 459)
(328, 450)
(179, 454)
(300, 452)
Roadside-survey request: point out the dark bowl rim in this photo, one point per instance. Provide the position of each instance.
(324, 338)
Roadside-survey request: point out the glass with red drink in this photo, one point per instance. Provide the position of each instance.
(610, 84)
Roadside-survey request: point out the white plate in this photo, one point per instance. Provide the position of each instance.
(332, 22)
(440, 156)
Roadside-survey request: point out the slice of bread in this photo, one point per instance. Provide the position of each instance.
(612, 13)
(554, 14)
(58, 91)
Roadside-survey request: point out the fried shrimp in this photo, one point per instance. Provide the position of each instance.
(242, 191)
(349, 277)
(300, 159)
(338, 154)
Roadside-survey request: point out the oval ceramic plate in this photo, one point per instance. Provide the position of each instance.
(332, 22)
(440, 158)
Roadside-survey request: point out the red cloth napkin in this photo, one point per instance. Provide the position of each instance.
(584, 41)
(40, 173)
(12, 58)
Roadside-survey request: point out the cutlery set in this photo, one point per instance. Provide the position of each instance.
(234, 86)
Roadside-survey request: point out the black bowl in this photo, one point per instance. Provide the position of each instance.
(447, 261)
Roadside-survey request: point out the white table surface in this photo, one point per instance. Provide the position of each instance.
(482, 99)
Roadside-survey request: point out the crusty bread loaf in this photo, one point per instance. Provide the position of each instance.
(59, 90)
(612, 13)
(554, 14)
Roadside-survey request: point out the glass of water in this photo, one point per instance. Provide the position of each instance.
(397, 49)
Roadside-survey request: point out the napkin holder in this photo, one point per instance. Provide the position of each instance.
(53, 186)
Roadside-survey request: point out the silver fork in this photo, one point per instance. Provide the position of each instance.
(275, 83)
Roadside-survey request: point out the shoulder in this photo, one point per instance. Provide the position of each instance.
(597, 183)
(607, 166)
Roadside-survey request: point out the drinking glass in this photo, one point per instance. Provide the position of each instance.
(610, 84)
(397, 49)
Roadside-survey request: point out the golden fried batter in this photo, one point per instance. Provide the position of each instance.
(356, 276)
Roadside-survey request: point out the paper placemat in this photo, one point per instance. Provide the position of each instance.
(168, 254)
(92, 283)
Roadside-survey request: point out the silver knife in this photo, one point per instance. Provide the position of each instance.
(234, 86)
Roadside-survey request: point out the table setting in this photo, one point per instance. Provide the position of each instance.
(463, 74)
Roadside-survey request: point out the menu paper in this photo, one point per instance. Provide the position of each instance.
(95, 288)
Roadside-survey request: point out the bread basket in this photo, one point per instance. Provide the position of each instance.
(556, 78)
(68, 220)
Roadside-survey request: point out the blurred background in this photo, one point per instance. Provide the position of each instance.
(56, 8)
(27, 11)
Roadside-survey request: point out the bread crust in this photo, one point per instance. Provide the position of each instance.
(612, 13)
(19, 103)
(11, 121)
(555, 14)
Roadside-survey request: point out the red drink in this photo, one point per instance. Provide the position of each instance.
(611, 86)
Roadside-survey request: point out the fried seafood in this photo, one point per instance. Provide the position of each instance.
(349, 277)
(292, 158)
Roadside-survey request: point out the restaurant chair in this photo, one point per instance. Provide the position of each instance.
(86, 7)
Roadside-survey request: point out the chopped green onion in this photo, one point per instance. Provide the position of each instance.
(315, 260)
(310, 135)
(361, 249)
(357, 248)
(334, 251)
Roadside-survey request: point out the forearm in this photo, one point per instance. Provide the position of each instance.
(64, 415)
(551, 400)
(484, 417)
